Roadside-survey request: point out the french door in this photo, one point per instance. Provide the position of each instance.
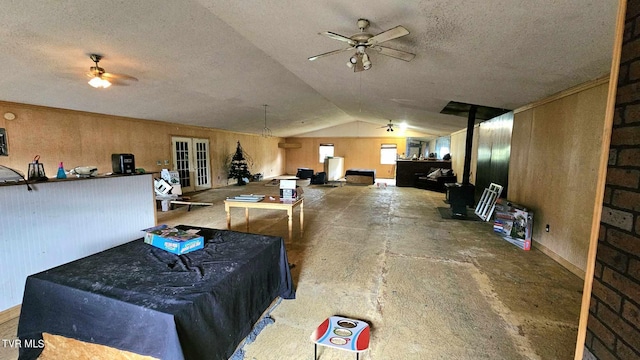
(191, 161)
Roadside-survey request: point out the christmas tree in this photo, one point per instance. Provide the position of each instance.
(239, 168)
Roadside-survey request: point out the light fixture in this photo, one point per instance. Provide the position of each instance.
(97, 81)
(366, 64)
(359, 56)
(266, 132)
(352, 61)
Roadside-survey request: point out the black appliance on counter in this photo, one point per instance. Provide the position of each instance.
(123, 163)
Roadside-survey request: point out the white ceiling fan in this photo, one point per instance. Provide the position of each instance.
(363, 41)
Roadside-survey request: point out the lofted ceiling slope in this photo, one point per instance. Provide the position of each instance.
(216, 63)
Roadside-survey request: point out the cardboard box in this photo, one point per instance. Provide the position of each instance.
(288, 194)
(173, 179)
(288, 189)
(173, 240)
(514, 223)
(288, 184)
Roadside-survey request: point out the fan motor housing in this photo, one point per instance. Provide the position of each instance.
(363, 24)
(96, 70)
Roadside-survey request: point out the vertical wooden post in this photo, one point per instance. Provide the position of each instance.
(604, 158)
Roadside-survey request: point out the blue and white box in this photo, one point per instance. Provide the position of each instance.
(173, 240)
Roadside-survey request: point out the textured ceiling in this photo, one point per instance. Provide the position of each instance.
(215, 63)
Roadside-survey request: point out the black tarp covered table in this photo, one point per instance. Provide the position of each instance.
(142, 299)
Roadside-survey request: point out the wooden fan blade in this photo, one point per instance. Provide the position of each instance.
(338, 37)
(111, 76)
(390, 34)
(398, 54)
(115, 82)
(329, 53)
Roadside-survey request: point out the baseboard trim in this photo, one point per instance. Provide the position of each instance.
(557, 258)
(10, 314)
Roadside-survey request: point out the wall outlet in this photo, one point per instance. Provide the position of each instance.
(158, 162)
(166, 162)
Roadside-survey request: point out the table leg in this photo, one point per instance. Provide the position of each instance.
(228, 219)
(290, 213)
(315, 351)
(246, 217)
(301, 218)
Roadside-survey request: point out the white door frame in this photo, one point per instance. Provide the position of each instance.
(202, 162)
(193, 156)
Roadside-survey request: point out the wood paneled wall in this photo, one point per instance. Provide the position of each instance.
(458, 143)
(555, 152)
(358, 153)
(82, 139)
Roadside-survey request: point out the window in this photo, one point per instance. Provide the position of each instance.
(442, 146)
(388, 154)
(325, 150)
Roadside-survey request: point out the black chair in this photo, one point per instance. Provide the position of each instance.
(319, 178)
(304, 173)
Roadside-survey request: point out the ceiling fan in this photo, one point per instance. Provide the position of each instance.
(363, 41)
(101, 79)
(389, 126)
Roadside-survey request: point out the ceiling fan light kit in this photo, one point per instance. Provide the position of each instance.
(97, 81)
(362, 41)
(366, 64)
(101, 79)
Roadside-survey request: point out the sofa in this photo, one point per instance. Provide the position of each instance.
(435, 179)
(360, 176)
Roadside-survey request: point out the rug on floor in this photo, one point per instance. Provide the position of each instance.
(445, 213)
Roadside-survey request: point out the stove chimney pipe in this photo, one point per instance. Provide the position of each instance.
(471, 121)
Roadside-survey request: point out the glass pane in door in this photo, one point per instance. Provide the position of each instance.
(182, 163)
(202, 175)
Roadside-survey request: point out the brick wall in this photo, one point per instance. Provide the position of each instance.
(613, 329)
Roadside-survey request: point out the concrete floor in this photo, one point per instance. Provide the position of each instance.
(430, 288)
